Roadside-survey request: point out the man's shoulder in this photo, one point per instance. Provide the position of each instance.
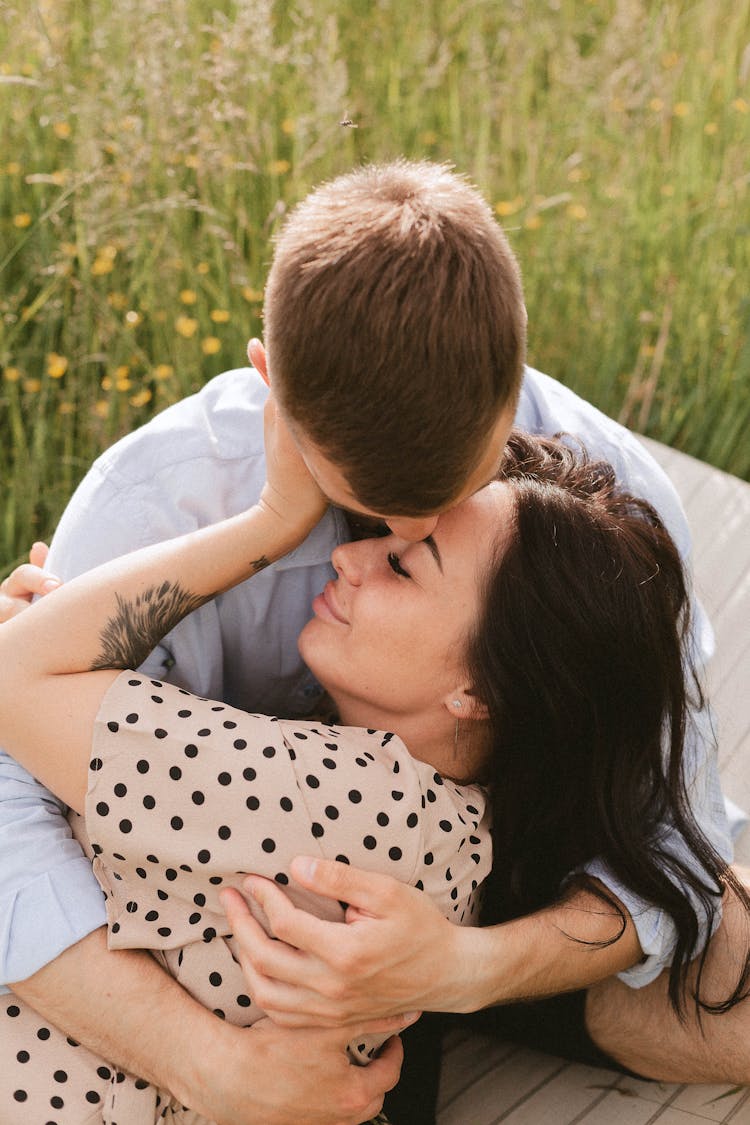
(222, 422)
(547, 406)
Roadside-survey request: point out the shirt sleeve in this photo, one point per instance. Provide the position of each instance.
(655, 929)
(187, 796)
(48, 897)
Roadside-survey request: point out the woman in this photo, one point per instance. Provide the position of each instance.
(453, 647)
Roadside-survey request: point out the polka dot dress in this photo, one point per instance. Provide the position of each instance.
(187, 796)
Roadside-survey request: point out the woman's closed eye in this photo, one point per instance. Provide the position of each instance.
(395, 564)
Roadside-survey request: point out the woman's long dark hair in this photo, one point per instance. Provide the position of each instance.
(582, 657)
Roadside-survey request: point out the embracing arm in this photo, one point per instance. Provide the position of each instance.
(58, 657)
(399, 953)
(234, 1076)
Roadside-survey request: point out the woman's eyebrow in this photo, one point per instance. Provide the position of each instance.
(433, 548)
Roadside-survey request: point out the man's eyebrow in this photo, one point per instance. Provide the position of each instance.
(433, 548)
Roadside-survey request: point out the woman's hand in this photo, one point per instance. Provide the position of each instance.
(290, 493)
(396, 953)
(26, 582)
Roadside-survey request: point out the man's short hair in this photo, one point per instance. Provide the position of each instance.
(395, 326)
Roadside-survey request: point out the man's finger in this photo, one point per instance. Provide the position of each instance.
(295, 927)
(38, 554)
(28, 580)
(384, 1070)
(369, 892)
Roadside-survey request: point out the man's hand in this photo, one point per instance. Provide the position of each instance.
(26, 582)
(395, 954)
(268, 1075)
(124, 1007)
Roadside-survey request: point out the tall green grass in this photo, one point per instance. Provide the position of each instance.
(148, 150)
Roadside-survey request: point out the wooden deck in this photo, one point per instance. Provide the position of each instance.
(485, 1082)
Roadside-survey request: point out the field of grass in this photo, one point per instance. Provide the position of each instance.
(149, 149)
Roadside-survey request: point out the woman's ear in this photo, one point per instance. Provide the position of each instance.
(463, 703)
(256, 353)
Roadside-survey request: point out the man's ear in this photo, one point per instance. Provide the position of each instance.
(463, 703)
(256, 353)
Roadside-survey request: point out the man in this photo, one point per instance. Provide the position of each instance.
(395, 330)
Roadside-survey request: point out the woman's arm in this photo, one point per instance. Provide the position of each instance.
(57, 659)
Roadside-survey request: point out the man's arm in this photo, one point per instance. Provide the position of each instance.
(397, 952)
(231, 1075)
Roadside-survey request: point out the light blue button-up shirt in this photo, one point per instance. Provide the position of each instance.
(197, 462)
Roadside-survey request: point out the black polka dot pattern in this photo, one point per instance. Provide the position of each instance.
(186, 796)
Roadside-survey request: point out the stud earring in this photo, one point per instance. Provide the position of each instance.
(457, 703)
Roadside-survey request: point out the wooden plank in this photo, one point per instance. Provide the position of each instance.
(492, 1096)
(566, 1096)
(467, 1058)
(618, 1109)
(710, 1103)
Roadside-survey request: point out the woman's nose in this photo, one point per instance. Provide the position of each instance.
(347, 561)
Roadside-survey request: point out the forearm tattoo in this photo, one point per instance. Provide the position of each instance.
(260, 564)
(139, 624)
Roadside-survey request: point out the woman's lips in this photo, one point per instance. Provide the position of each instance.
(324, 605)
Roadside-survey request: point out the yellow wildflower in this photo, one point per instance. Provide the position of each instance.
(122, 371)
(117, 301)
(710, 128)
(141, 398)
(11, 374)
(61, 129)
(288, 126)
(211, 345)
(656, 104)
(101, 266)
(186, 326)
(219, 316)
(533, 222)
(100, 408)
(66, 408)
(278, 167)
(163, 371)
(682, 109)
(124, 385)
(740, 105)
(576, 211)
(192, 160)
(32, 386)
(57, 365)
(106, 383)
(509, 206)
(22, 220)
(13, 168)
(251, 294)
(202, 268)
(188, 296)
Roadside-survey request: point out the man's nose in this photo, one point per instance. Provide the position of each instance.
(413, 528)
